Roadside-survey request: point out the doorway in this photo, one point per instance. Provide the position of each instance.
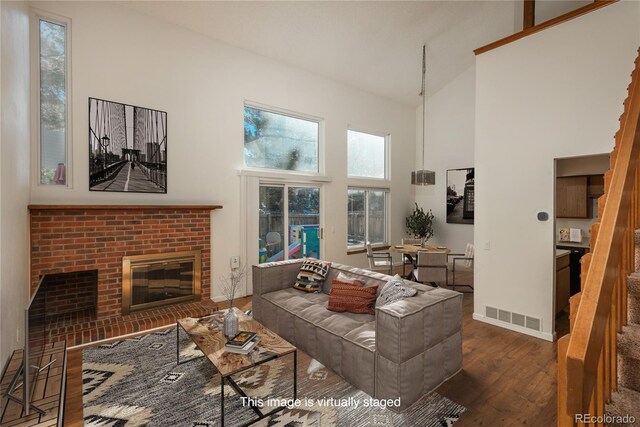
(578, 183)
(289, 222)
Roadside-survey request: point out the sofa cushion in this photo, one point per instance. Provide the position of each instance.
(289, 299)
(317, 298)
(364, 336)
(339, 324)
(312, 274)
(394, 290)
(315, 314)
(352, 298)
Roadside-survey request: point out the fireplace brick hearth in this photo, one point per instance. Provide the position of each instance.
(75, 238)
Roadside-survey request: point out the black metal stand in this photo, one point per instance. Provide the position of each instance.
(255, 408)
(21, 401)
(454, 276)
(178, 361)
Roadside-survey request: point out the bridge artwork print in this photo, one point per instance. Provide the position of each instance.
(127, 148)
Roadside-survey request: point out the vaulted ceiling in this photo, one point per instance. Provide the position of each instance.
(372, 45)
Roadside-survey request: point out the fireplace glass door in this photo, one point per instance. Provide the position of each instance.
(152, 280)
(157, 282)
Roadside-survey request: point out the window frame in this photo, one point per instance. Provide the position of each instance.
(37, 15)
(296, 115)
(387, 138)
(387, 224)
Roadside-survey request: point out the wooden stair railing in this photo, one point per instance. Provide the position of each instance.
(587, 356)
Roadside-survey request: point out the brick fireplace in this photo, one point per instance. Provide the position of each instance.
(73, 239)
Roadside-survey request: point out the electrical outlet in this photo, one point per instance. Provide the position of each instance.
(487, 245)
(235, 262)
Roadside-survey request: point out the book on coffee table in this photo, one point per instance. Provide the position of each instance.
(242, 338)
(249, 345)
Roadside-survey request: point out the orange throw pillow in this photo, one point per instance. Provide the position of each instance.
(352, 298)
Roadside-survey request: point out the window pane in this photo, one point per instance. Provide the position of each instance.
(53, 104)
(376, 218)
(356, 218)
(276, 141)
(366, 155)
(271, 227)
(304, 222)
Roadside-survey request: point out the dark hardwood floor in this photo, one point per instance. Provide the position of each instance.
(508, 379)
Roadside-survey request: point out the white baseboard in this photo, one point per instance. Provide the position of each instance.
(542, 335)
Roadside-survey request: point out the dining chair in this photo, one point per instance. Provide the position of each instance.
(465, 263)
(407, 259)
(379, 261)
(432, 268)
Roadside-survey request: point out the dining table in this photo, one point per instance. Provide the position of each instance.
(410, 253)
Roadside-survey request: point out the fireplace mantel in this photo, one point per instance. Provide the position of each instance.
(121, 207)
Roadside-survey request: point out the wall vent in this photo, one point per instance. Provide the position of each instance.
(504, 316)
(514, 318)
(491, 312)
(533, 323)
(518, 319)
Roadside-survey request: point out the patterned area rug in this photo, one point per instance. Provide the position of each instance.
(137, 382)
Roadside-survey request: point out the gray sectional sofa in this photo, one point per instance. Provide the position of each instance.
(405, 350)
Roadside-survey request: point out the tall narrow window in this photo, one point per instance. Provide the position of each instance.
(366, 217)
(53, 101)
(366, 154)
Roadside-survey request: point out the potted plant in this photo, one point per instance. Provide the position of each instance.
(420, 224)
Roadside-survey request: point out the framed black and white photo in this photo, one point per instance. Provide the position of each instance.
(127, 148)
(460, 196)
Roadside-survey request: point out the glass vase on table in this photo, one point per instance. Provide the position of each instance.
(230, 322)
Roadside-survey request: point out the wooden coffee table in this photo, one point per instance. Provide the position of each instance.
(207, 333)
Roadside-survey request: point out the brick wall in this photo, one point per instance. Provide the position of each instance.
(70, 239)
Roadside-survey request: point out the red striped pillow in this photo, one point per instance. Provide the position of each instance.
(352, 298)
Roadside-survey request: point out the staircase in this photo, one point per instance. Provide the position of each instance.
(626, 401)
(599, 360)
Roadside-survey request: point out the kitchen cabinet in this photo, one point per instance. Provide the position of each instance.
(572, 200)
(574, 194)
(596, 186)
(563, 280)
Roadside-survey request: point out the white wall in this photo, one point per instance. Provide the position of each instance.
(129, 57)
(448, 145)
(557, 93)
(14, 176)
(549, 9)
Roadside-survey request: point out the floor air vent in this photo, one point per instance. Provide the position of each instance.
(504, 316)
(491, 312)
(518, 319)
(533, 323)
(513, 318)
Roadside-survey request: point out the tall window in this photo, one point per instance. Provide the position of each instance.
(277, 141)
(367, 217)
(366, 155)
(53, 96)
